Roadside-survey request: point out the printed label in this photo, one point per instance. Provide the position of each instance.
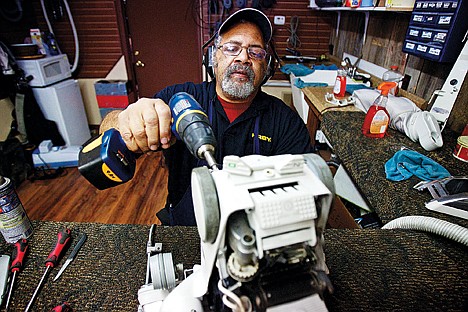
(379, 123)
(414, 32)
(434, 51)
(440, 37)
(410, 45)
(109, 173)
(14, 223)
(421, 48)
(445, 20)
(426, 34)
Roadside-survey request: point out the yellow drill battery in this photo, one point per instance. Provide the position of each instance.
(106, 161)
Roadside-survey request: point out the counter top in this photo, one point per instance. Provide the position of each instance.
(364, 159)
(371, 270)
(316, 95)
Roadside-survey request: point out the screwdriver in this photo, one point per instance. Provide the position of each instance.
(17, 255)
(64, 307)
(51, 261)
(72, 256)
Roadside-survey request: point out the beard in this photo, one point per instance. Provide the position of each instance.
(238, 89)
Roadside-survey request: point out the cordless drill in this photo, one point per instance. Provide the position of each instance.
(106, 161)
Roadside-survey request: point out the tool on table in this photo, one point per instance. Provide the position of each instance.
(51, 261)
(106, 161)
(450, 195)
(64, 307)
(72, 256)
(17, 255)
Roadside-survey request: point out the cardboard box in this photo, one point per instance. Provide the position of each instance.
(111, 87)
(112, 101)
(399, 3)
(111, 93)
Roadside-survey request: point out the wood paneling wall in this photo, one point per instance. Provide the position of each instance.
(313, 28)
(383, 46)
(98, 34)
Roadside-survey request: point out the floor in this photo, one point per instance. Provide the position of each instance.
(70, 197)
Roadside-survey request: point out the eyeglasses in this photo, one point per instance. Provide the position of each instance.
(234, 49)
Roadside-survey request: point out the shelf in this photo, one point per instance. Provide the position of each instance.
(364, 9)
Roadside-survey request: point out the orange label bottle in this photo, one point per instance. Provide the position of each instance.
(376, 122)
(339, 89)
(377, 118)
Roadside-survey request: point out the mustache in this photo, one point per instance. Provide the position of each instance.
(239, 68)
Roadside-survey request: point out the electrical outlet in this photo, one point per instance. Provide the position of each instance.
(279, 20)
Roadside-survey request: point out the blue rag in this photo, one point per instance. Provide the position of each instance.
(297, 69)
(350, 88)
(406, 163)
(326, 67)
(302, 84)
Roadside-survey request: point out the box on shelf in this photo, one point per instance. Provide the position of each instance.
(104, 111)
(111, 93)
(399, 3)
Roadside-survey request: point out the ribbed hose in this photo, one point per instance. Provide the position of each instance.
(75, 37)
(432, 225)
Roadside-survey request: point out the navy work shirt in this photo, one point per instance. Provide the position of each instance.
(280, 131)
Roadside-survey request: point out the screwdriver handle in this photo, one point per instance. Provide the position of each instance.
(63, 239)
(18, 254)
(64, 307)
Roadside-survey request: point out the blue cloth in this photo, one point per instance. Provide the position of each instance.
(297, 69)
(326, 67)
(301, 84)
(406, 163)
(350, 88)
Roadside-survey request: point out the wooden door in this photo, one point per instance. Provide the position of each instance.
(165, 43)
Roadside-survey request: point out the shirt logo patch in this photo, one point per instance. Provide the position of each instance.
(263, 138)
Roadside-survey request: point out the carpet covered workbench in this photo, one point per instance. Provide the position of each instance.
(371, 270)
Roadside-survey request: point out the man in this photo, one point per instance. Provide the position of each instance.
(244, 119)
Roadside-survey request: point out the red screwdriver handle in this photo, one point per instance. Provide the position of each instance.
(64, 307)
(54, 256)
(18, 254)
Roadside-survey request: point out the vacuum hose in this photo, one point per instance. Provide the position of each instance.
(432, 225)
(75, 34)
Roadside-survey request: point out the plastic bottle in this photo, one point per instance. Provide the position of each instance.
(52, 44)
(339, 89)
(377, 118)
(393, 75)
(353, 3)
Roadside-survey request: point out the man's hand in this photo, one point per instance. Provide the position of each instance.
(146, 125)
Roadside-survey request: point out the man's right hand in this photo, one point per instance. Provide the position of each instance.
(145, 125)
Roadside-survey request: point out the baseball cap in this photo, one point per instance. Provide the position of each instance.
(252, 15)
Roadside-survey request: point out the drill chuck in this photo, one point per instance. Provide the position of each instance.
(191, 125)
